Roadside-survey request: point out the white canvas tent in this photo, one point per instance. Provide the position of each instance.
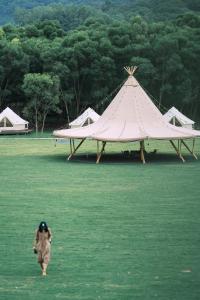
(11, 122)
(130, 117)
(89, 116)
(175, 117)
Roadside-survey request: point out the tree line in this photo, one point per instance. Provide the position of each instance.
(48, 71)
(157, 10)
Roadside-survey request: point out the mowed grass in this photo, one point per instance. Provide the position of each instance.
(121, 230)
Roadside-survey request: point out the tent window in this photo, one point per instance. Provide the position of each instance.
(26, 125)
(5, 123)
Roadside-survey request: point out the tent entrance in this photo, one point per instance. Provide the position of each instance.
(88, 122)
(5, 123)
(176, 122)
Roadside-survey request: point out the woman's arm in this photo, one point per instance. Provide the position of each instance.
(35, 239)
(50, 235)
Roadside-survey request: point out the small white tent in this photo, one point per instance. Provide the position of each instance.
(175, 117)
(88, 117)
(11, 122)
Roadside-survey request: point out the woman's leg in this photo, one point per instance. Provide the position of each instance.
(40, 260)
(44, 270)
(41, 265)
(46, 258)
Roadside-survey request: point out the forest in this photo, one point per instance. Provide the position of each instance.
(58, 59)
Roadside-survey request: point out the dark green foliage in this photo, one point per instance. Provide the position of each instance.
(89, 60)
(25, 10)
(69, 17)
(42, 92)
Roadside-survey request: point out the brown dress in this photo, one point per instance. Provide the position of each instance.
(43, 245)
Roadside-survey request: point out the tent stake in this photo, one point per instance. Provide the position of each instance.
(99, 154)
(142, 152)
(177, 151)
(76, 149)
(192, 152)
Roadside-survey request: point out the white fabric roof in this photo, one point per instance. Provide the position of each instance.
(131, 116)
(87, 114)
(174, 112)
(12, 117)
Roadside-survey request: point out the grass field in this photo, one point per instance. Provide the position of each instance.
(121, 230)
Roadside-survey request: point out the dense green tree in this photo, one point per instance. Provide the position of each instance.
(42, 91)
(13, 65)
(88, 62)
(69, 17)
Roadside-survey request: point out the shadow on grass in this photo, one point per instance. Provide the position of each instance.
(120, 158)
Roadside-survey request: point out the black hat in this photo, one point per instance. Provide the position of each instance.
(43, 226)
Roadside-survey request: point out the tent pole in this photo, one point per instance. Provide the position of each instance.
(99, 154)
(193, 144)
(177, 150)
(179, 145)
(76, 149)
(142, 152)
(97, 149)
(70, 142)
(73, 144)
(186, 146)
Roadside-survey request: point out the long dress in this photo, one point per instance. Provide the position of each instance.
(43, 246)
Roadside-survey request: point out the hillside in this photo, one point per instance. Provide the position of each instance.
(157, 10)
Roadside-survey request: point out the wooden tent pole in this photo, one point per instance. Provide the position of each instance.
(99, 154)
(73, 144)
(177, 151)
(142, 152)
(186, 146)
(179, 145)
(193, 144)
(70, 142)
(76, 149)
(97, 149)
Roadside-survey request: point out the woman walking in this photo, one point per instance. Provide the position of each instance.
(42, 245)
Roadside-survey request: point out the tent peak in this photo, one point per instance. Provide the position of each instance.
(130, 70)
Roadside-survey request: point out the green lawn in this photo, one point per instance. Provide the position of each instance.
(121, 230)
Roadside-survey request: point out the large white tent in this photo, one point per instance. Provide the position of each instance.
(89, 116)
(11, 122)
(175, 117)
(130, 117)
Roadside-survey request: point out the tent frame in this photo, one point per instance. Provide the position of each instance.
(73, 151)
(177, 149)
